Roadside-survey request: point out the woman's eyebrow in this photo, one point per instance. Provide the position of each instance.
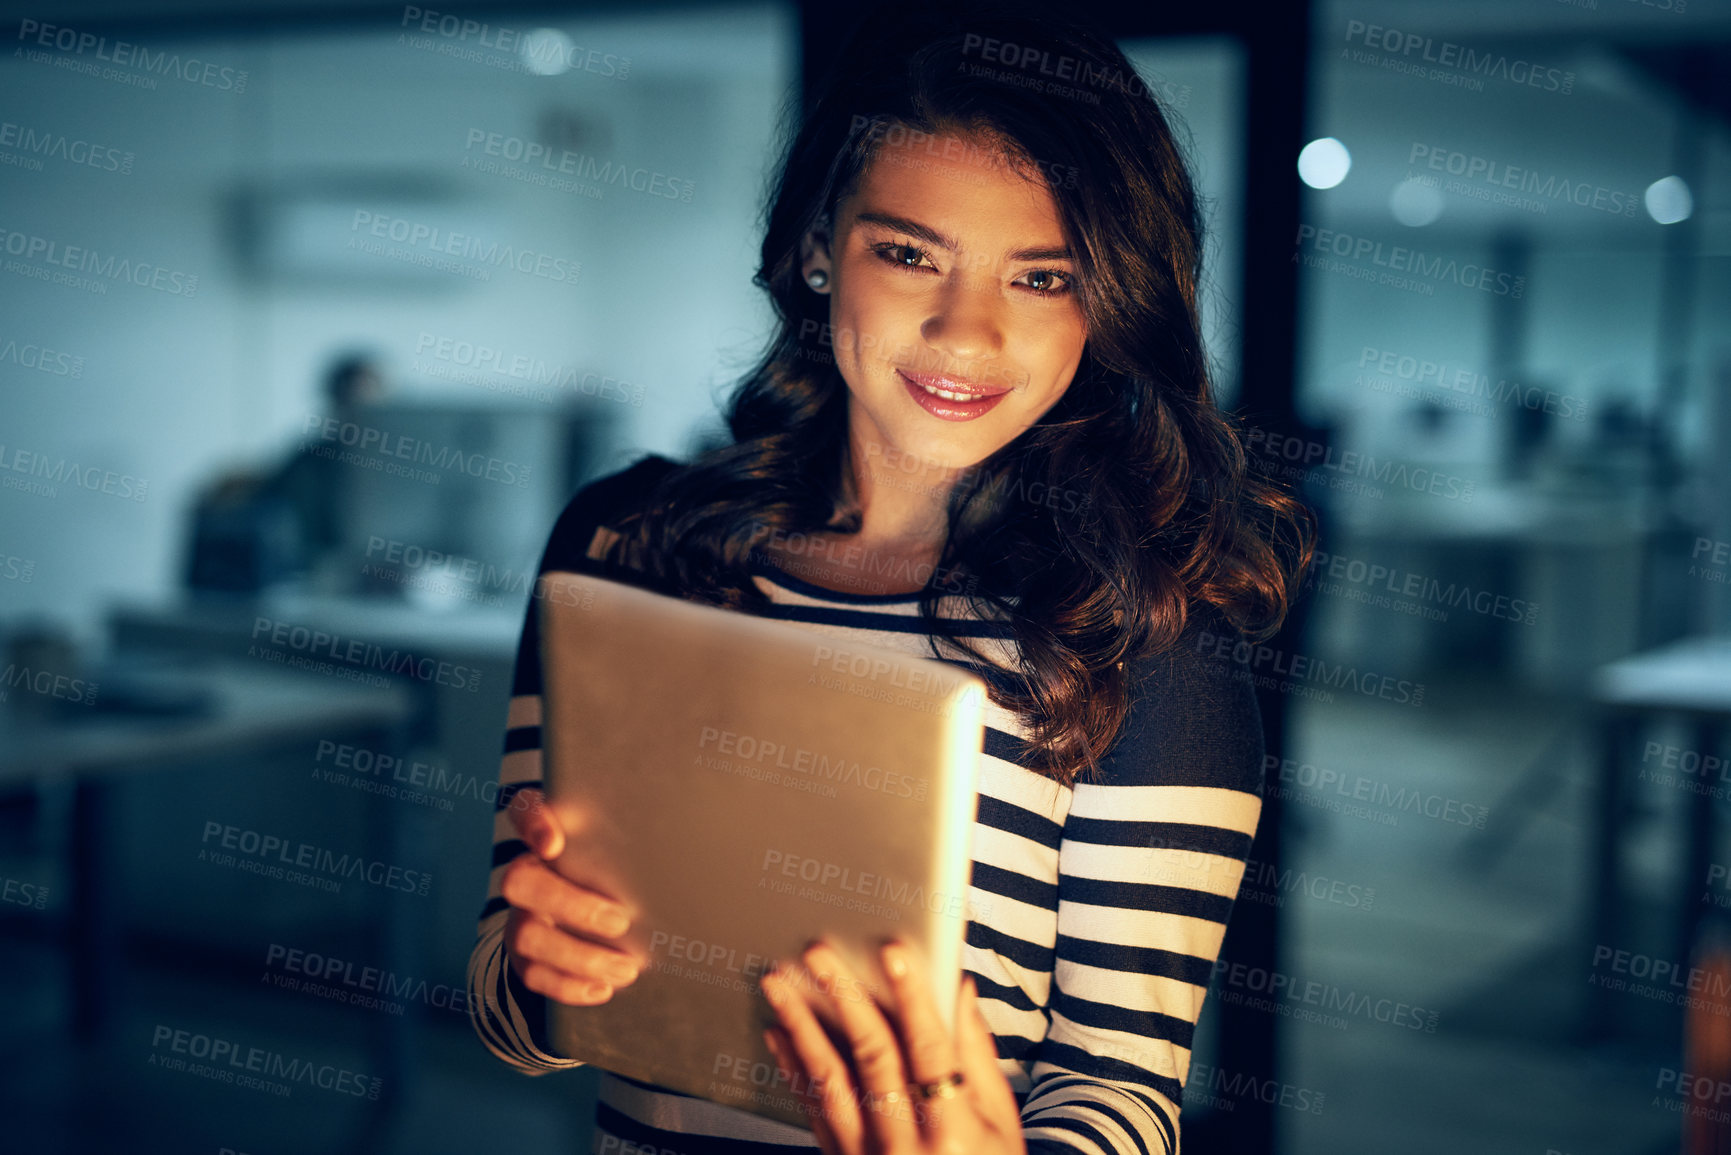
(932, 236)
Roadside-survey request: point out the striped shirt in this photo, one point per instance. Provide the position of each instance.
(1095, 911)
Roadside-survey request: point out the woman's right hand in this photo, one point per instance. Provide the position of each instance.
(551, 932)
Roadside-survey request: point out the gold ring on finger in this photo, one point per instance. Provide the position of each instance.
(944, 1088)
(885, 1100)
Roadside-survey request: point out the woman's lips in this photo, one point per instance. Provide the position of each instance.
(982, 398)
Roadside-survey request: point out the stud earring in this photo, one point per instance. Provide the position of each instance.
(817, 278)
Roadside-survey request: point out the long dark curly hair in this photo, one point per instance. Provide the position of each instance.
(1161, 512)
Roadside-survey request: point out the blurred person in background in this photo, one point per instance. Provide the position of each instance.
(253, 530)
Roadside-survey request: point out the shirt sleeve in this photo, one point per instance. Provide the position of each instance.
(509, 1017)
(1149, 865)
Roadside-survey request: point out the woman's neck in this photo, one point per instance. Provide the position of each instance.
(903, 526)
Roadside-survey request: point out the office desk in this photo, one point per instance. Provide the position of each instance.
(459, 728)
(228, 626)
(464, 722)
(249, 707)
(1576, 560)
(1691, 679)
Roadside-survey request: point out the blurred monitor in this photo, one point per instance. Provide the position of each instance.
(481, 482)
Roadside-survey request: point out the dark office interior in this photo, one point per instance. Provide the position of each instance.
(1468, 287)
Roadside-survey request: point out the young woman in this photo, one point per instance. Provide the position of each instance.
(983, 431)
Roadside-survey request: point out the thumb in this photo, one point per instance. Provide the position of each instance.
(536, 824)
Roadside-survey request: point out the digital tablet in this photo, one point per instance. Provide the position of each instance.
(743, 785)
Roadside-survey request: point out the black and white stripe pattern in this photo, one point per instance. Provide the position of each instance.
(1095, 911)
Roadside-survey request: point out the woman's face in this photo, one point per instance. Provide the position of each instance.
(953, 308)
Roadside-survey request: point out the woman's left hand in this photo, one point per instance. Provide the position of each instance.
(918, 1090)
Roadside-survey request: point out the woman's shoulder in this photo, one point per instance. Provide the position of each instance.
(599, 503)
(1193, 718)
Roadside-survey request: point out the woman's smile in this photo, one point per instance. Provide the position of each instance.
(950, 398)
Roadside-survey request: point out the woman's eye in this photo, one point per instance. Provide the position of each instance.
(907, 256)
(1048, 283)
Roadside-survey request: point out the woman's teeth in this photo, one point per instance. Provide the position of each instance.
(947, 396)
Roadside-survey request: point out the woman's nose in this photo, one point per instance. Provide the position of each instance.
(966, 321)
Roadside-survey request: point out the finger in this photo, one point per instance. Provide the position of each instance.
(532, 885)
(548, 980)
(562, 987)
(876, 1051)
(832, 1097)
(788, 1060)
(535, 823)
(800, 1081)
(928, 1046)
(533, 940)
(977, 1051)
